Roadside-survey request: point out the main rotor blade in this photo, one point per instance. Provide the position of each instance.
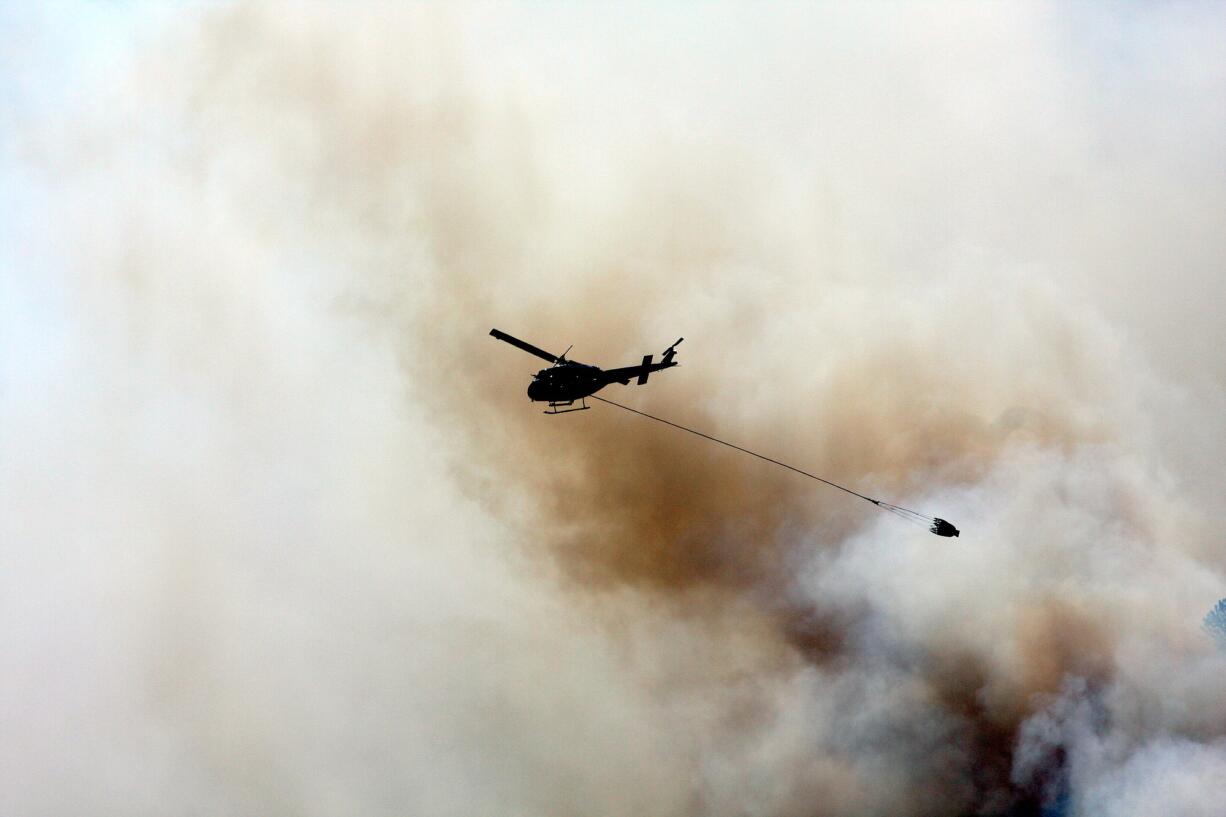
(527, 347)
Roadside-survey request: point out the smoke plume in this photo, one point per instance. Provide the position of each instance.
(282, 533)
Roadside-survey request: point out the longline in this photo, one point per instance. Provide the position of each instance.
(877, 502)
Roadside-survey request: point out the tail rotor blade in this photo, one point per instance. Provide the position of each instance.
(671, 351)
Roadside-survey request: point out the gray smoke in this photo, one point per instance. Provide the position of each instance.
(282, 534)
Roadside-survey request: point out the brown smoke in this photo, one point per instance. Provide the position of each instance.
(346, 566)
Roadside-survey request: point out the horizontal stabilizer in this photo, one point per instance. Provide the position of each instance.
(646, 369)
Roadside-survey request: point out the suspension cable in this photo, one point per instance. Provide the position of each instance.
(934, 524)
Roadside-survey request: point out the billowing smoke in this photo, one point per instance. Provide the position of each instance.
(283, 535)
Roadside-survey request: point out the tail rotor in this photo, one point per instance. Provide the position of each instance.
(670, 352)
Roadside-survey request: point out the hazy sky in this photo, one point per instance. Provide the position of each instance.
(281, 533)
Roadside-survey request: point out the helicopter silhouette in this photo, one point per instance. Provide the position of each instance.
(566, 381)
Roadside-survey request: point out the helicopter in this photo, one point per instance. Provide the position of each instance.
(568, 381)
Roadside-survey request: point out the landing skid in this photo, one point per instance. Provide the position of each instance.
(556, 408)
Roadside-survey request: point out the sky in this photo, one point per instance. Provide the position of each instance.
(282, 533)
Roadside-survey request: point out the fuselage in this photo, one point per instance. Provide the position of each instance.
(566, 381)
(569, 380)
